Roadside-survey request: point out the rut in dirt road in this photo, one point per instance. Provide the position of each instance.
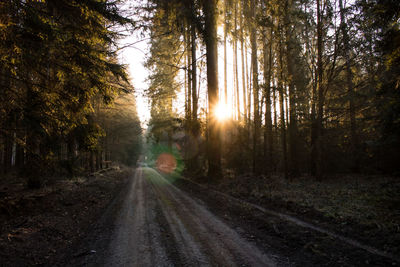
(160, 225)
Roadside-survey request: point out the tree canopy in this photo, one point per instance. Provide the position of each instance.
(58, 64)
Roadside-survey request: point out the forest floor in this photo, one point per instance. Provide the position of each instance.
(365, 209)
(115, 218)
(162, 221)
(155, 223)
(38, 226)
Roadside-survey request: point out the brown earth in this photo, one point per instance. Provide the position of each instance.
(366, 208)
(116, 218)
(370, 231)
(161, 222)
(154, 223)
(38, 227)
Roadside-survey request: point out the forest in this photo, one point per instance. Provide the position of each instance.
(280, 118)
(307, 87)
(313, 87)
(66, 101)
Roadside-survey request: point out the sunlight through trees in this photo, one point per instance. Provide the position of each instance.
(308, 86)
(304, 95)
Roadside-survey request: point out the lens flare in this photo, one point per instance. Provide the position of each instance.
(166, 163)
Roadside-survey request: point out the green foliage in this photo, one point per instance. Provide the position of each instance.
(381, 21)
(56, 58)
(123, 132)
(344, 118)
(163, 63)
(87, 136)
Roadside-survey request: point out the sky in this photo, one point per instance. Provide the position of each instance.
(134, 57)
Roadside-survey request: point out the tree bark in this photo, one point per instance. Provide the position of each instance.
(243, 65)
(320, 103)
(248, 91)
(194, 75)
(19, 155)
(214, 142)
(91, 161)
(268, 150)
(186, 75)
(98, 156)
(282, 109)
(254, 63)
(7, 152)
(106, 151)
(195, 127)
(189, 73)
(225, 57)
(313, 157)
(292, 94)
(350, 90)
(235, 57)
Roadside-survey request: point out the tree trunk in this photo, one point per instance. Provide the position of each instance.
(282, 109)
(320, 105)
(194, 75)
(248, 90)
(19, 154)
(7, 152)
(225, 57)
(101, 159)
(214, 142)
(350, 89)
(274, 105)
(33, 164)
(254, 63)
(313, 158)
(268, 150)
(292, 94)
(234, 93)
(243, 66)
(33, 168)
(106, 151)
(98, 156)
(195, 127)
(91, 161)
(189, 80)
(235, 57)
(186, 74)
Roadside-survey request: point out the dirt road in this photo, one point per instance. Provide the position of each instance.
(157, 224)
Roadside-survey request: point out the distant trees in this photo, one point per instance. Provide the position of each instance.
(326, 100)
(163, 66)
(175, 29)
(58, 67)
(122, 141)
(380, 58)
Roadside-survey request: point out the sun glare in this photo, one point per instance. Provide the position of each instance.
(222, 111)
